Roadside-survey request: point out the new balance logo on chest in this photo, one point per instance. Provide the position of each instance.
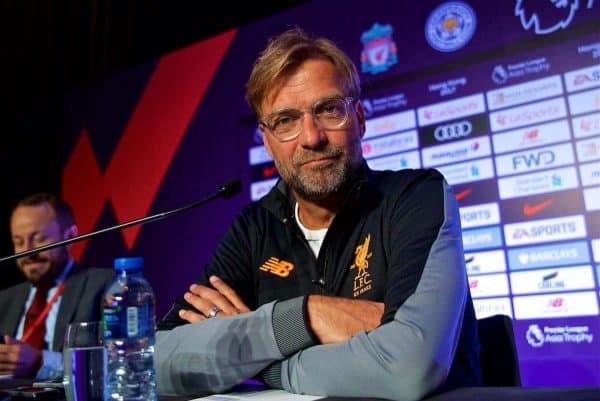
(278, 267)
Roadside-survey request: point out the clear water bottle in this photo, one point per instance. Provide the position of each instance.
(129, 328)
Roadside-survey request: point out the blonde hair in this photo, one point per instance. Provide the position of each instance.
(285, 53)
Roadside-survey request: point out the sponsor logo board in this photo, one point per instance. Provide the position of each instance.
(584, 78)
(485, 262)
(457, 151)
(539, 135)
(468, 172)
(377, 105)
(450, 131)
(488, 285)
(555, 305)
(547, 335)
(537, 183)
(529, 114)
(480, 215)
(588, 149)
(481, 238)
(471, 194)
(451, 109)
(562, 254)
(536, 231)
(596, 249)
(492, 306)
(501, 73)
(448, 86)
(590, 174)
(390, 123)
(524, 92)
(552, 280)
(584, 102)
(587, 125)
(396, 162)
(390, 144)
(260, 189)
(591, 197)
(535, 159)
(542, 206)
(258, 155)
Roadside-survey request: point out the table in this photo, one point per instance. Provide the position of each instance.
(463, 394)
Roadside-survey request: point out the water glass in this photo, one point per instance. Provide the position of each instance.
(83, 362)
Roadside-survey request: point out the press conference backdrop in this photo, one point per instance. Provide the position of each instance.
(502, 97)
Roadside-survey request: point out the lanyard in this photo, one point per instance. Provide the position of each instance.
(42, 316)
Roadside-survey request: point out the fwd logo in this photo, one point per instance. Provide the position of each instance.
(146, 146)
(543, 158)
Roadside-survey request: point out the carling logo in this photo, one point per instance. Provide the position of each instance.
(588, 150)
(552, 280)
(151, 138)
(485, 262)
(545, 230)
(529, 114)
(451, 109)
(584, 102)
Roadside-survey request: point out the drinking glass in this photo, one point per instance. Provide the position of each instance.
(83, 362)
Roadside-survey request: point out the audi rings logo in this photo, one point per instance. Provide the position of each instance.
(456, 130)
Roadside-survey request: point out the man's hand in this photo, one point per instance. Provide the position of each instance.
(335, 319)
(221, 296)
(18, 358)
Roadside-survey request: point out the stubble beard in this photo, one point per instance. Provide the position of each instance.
(320, 182)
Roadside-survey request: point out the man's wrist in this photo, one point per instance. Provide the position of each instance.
(290, 325)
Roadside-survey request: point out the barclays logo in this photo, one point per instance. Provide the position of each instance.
(453, 131)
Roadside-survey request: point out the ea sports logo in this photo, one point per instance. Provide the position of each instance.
(453, 131)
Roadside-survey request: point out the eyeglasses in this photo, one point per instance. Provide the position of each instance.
(329, 113)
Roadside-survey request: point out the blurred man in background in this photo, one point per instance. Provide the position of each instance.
(57, 291)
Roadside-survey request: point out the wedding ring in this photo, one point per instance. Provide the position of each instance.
(213, 311)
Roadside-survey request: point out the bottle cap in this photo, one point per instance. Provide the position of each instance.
(129, 263)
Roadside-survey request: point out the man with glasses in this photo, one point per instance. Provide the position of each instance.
(339, 273)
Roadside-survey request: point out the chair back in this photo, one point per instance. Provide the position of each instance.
(498, 354)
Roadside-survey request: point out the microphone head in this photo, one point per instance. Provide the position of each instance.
(230, 188)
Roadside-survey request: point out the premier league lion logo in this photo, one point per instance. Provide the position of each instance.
(547, 16)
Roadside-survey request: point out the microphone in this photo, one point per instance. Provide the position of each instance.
(227, 190)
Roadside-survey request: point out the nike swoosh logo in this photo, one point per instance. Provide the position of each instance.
(530, 210)
(269, 171)
(463, 194)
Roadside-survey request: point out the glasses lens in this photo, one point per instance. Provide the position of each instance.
(331, 113)
(285, 123)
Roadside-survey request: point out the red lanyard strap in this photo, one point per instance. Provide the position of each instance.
(42, 316)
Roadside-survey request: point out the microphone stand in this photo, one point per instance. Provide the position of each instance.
(227, 190)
